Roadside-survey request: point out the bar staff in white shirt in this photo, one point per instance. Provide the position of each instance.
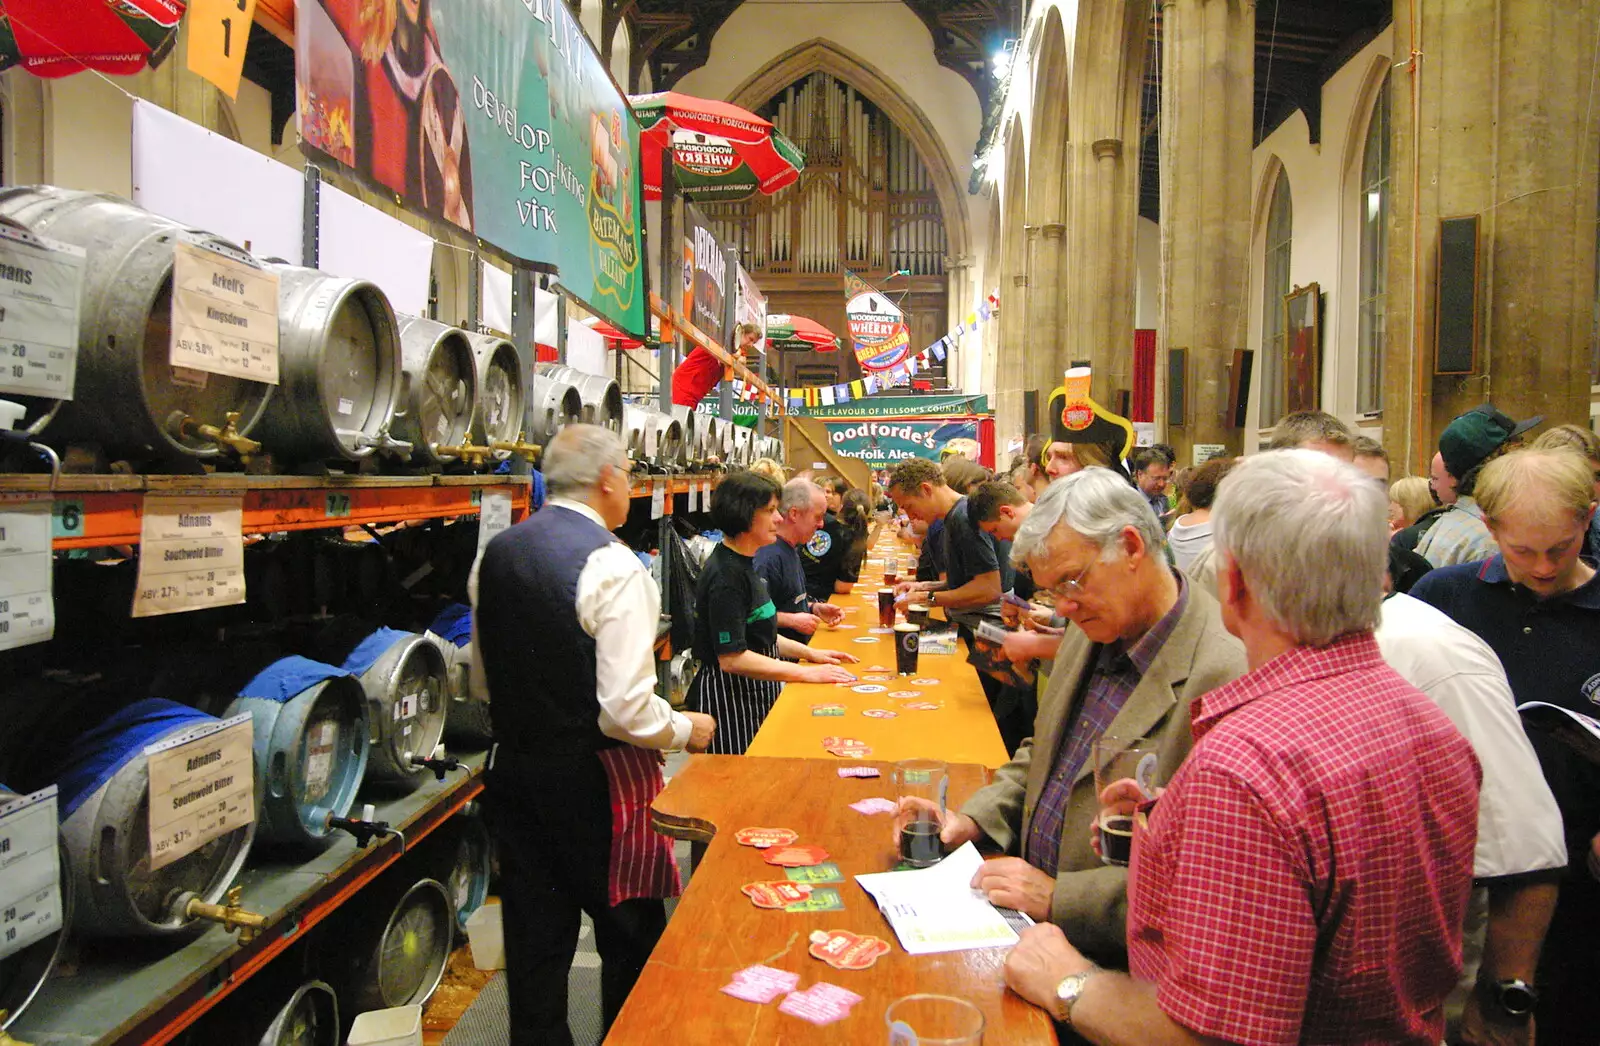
(564, 625)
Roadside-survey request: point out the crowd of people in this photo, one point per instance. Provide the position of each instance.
(1351, 833)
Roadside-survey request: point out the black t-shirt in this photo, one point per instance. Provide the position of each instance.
(733, 610)
(969, 552)
(930, 562)
(779, 566)
(830, 556)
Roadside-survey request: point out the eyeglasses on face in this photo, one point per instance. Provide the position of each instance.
(1072, 588)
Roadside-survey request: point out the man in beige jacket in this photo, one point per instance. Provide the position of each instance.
(1143, 645)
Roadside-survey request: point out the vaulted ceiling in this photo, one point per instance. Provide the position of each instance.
(1299, 45)
(673, 37)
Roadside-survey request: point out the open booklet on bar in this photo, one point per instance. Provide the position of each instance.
(937, 910)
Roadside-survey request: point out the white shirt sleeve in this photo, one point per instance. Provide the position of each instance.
(619, 606)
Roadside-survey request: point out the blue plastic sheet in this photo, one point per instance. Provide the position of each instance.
(372, 648)
(288, 677)
(97, 755)
(454, 623)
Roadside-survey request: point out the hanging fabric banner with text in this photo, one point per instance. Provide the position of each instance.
(885, 442)
(709, 279)
(494, 115)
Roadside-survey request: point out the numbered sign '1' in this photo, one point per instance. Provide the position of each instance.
(30, 871)
(27, 607)
(191, 554)
(40, 284)
(202, 785)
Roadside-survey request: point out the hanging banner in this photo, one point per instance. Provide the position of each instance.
(494, 115)
(882, 443)
(876, 325)
(710, 276)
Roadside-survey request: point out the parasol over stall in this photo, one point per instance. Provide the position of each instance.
(60, 37)
(720, 151)
(799, 334)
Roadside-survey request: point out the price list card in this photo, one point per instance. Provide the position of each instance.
(224, 314)
(191, 554)
(30, 871)
(202, 786)
(41, 282)
(27, 608)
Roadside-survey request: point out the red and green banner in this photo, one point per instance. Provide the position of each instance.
(876, 326)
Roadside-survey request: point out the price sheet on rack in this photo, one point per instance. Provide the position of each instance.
(191, 554)
(30, 871)
(202, 785)
(27, 605)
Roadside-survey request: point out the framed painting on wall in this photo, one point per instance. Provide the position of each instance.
(1302, 347)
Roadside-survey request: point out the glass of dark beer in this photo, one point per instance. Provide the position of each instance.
(921, 785)
(917, 613)
(885, 608)
(1118, 758)
(906, 638)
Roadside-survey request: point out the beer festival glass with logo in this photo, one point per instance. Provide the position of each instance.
(1119, 758)
(907, 636)
(921, 786)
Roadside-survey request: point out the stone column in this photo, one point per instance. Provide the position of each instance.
(1011, 373)
(1044, 353)
(1207, 94)
(1497, 119)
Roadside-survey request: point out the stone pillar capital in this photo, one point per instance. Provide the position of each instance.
(1054, 230)
(1020, 279)
(1108, 149)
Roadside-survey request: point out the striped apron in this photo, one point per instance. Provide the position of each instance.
(641, 862)
(739, 704)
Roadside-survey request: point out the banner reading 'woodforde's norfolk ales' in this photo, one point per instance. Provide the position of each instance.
(495, 115)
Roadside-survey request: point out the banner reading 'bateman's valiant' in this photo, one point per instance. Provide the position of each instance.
(495, 115)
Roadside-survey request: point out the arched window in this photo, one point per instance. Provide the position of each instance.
(1274, 285)
(1374, 206)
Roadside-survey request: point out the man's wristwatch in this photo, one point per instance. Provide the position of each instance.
(1068, 991)
(1509, 1000)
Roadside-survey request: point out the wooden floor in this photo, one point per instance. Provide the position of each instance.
(459, 989)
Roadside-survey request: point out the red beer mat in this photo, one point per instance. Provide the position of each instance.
(844, 950)
(801, 856)
(761, 838)
(775, 894)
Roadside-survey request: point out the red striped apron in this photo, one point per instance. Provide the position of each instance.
(641, 859)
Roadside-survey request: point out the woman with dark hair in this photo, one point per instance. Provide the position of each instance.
(736, 636)
(832, 558)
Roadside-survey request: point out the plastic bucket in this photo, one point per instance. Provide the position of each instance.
(486, 934)
(400, 1026)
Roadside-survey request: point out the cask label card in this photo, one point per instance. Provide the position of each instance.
(41, 282)
(224, 314)
(191, 554)
(202, 785)
(27, 609)
(30, 871)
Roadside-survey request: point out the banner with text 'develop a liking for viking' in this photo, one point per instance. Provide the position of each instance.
(876, 325)
(494, 115)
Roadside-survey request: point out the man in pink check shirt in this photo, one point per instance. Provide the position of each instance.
(1304, 876)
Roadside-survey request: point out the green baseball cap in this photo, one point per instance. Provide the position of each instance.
(1473, 436)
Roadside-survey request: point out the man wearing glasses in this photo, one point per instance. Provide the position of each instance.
(1143, 645)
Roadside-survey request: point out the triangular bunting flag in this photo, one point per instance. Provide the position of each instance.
(983, 309)
(939, 350)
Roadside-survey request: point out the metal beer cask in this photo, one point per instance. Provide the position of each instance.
(552, 406)
(403, 675)
(602, 396)
(310, 747)
(107, 828)
(438, 393)
(126, 399)
(499, 414)
(404, 962)
(339, 373)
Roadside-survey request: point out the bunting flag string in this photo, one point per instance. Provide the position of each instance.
(867, 385)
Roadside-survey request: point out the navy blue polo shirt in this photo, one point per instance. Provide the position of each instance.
(1550, 647)
(779, 564)
(1551, 652)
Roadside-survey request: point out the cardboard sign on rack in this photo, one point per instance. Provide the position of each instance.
(224, 314)
(39, 314)
(30, 871)
(202, 785)
(191, 554)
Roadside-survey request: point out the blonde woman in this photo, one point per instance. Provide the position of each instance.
(1409, 498)
(771, 469)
